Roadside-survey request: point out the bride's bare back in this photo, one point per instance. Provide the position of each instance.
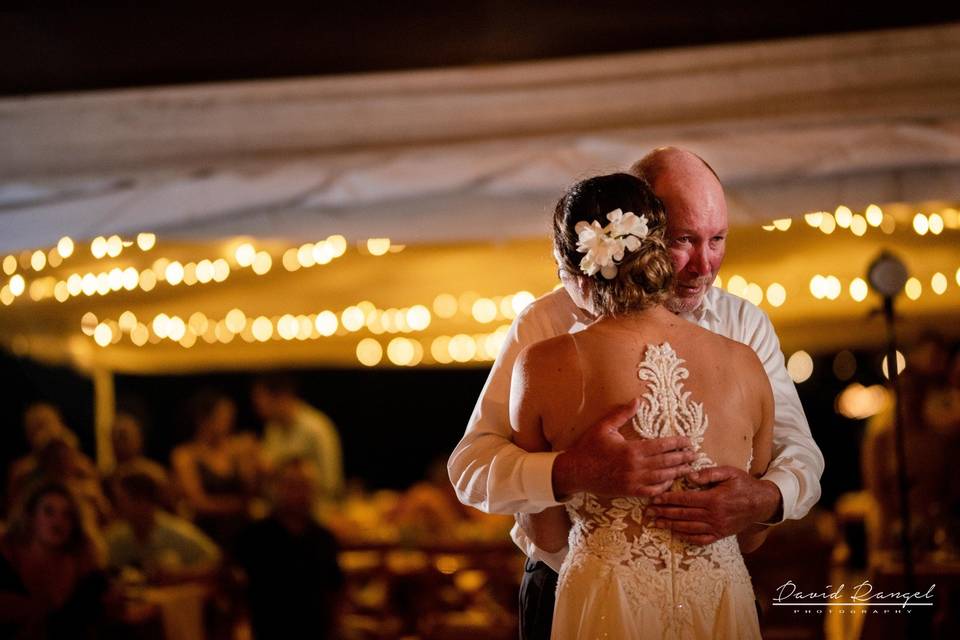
(564, 385)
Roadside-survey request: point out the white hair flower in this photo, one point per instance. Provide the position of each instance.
(605, 246)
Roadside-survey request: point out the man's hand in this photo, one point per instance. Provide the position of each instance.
(605, 463)
(731, 502)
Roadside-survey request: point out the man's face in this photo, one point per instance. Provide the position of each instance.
(696, 233)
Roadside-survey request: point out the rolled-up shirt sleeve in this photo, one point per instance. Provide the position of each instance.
(487, 470)
(797, 462)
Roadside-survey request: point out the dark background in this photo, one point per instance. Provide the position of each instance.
(46, 49)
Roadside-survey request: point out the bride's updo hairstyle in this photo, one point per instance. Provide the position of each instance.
(644, 277)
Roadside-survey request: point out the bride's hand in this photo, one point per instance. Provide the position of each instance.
(605, 463)
(731, 501)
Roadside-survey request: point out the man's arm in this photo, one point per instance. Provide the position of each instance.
(735, 500)
(492, 474)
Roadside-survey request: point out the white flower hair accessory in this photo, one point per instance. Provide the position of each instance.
(604, 246)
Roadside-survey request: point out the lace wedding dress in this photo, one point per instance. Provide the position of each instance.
(625, 578)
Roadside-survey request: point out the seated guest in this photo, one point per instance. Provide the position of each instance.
(166, 548)
(51, 580)
(216, 472)
(41, 422)
(59, 460)
(294, 429)
(291, 562)
(126, 436)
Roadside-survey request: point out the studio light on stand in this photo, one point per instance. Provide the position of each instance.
(887, 276)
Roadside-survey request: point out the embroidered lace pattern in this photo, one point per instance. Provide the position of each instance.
(655, 569)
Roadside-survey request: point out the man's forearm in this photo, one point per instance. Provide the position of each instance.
(564, 476)
(769, 503)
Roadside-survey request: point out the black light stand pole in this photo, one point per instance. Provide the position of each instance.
(893, 373)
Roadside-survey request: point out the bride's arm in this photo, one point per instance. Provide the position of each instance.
(549, 528)
(753, 536)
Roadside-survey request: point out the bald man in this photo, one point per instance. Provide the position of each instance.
(492, 474)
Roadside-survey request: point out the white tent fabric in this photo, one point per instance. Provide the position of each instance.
(479, 153)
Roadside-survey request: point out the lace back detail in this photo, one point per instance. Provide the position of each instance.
(614, 534)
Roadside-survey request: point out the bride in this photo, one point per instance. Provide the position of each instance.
(624, 577)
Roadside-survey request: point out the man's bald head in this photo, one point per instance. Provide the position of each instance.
(696, 219)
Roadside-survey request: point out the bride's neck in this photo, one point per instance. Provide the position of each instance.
(644, 316)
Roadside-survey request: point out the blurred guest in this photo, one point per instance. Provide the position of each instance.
(216, 471)
(167, 548)
(294, 429)
(927, 452)
(51, 558)
(59, 460)
(41, 422)
(126, 436)
(291, 562)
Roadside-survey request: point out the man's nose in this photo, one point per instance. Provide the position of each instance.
(700, 260)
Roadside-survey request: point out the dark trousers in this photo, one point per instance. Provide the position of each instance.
(538, 591)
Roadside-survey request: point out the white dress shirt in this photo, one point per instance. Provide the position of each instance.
(492, 474)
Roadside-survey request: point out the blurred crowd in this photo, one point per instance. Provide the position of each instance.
(231, 527)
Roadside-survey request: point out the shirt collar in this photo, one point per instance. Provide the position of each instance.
(707, 309)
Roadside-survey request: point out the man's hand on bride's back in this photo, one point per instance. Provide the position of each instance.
(605, 463)
(730, 502)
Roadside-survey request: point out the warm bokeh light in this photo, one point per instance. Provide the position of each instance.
(89, 284)
(901, 365)
(38, 260)
(204, 271)
(221, 270)
(103, 334)
(832, 287)
(378, 246)
(858, 289)
(114, 246)
(322, 252)
(262, 329)
(484, 310)
(65, 247)
(920, 224)
(369, 352)
(161, 325)
(60, 291)
(9, 265)
(818, 286)
(418, 317)
(462, 348)
(858, 225)
(148, 280)
(262, 262)
(938, 283)
(338, 245)
(935, 224)
(88, 323)
(782, 223)
(857, 402)
(127, 321)
(288, 326)
(198, 322)
(174, 273)
(828, 223)
(874, 215)
(440, 349)
(98, 247)
(754, 294)
(146, 241)
(17, 285)
(244, 254)
(115, 278)
(223, 333)
(800, 366)
(6, 296)
(305, 255)
(326, 323)
(522, 300)
(843, 216)
(235, 320)
(176, 329)
(814, 219)
(290, 260)
(913, 288)
(140, 334)
(353, 318)
(776, 294)
(445, 305)
(400, 351)
(737, 285)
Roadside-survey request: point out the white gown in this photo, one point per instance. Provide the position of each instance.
(625, 578)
